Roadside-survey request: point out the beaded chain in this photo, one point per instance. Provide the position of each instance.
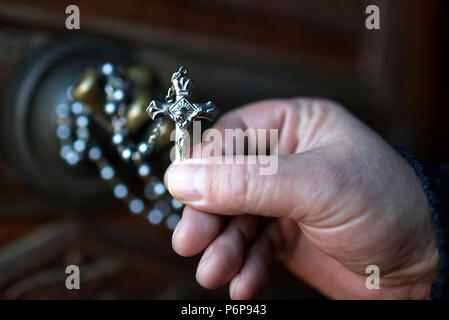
(74, 123)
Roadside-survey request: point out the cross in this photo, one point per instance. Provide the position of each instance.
(181, 111)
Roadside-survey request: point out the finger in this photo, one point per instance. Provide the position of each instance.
(254, 275)
(224, 257)
(256, 188)
(195, 231)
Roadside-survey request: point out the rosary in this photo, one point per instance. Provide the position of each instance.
(106, 107)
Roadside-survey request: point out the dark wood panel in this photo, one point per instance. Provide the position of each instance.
(393, 79)
(326, 30)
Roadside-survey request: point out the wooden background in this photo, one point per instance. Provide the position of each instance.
(241, 50)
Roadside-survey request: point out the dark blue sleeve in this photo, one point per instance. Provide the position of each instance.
(435, 180)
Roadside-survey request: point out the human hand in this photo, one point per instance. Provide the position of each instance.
(341, 199)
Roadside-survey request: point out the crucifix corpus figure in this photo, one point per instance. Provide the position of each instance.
(181, 111)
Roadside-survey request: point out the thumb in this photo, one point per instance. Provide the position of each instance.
(243, 187)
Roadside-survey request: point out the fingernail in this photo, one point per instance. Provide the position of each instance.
(173, 236)
(176, 230)
(186, 181)
(233, 285)
(204, 259)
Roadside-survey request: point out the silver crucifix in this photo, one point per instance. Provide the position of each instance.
(181, 111)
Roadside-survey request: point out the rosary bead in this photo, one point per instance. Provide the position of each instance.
(82, 133)
(136, 206)
(68, 93)
(159, 188)
(173, 220)
(110, 108)
(107, 173)
(154, 190)
(118, 95)
(65, 150)
(122, 122)
(72, 158)
(143, 148)
(136, 156)
(120, 191)
(107, 68)
(62, 110)
(144, 170)
(117, 138)
(126, 154)
(155, 216)
(79, 145)
(109, 90)
(77, 107)
(176, 204)
(82, 121)
(63, 132)
(95, 153)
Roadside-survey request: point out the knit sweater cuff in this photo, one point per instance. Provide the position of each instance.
(435, 180)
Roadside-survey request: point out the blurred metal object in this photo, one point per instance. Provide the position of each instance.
(90, 89)
(143, 79)
(28, 119)
(136, 116)
(142, 76)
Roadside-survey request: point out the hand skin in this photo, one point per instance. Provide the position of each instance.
(342, 199)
